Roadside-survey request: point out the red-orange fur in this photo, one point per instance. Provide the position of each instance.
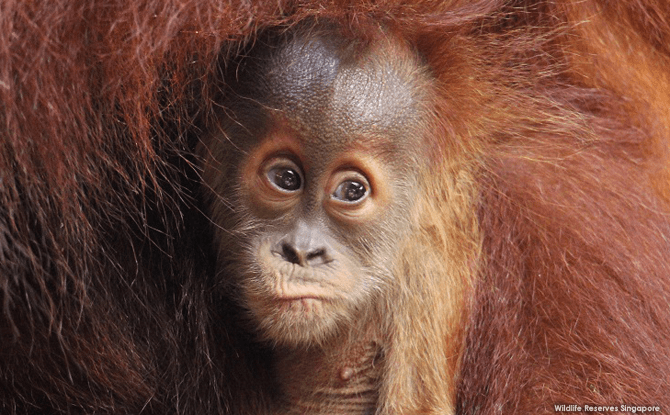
(558, 110)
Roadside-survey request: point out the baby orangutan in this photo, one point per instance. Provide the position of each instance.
(317, 177)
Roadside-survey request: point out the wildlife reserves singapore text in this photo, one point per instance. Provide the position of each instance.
(621, 408)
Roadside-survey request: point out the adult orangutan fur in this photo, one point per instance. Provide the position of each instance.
(544, 250)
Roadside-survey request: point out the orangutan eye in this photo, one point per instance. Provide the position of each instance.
(351, 191)
(285, 178)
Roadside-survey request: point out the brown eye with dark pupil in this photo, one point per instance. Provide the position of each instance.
(287, 179)
(354, 191)
(350, 191)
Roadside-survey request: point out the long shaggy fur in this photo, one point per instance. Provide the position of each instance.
(550, 161)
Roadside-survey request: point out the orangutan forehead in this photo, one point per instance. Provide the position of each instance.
(320, 81)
